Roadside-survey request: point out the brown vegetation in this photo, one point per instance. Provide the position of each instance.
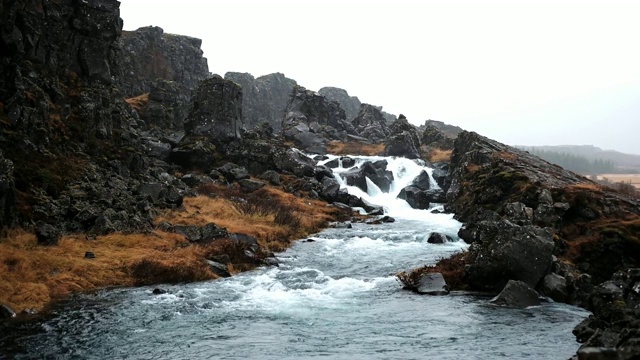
(452, 269)
(437, 155)
(355, 148)
(138, 102)
(32, 275)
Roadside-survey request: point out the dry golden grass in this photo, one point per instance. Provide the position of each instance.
(436, 155)
(632, 179)
(585, 186)
(355, 148)
(31, 275)
(506, 155)
(138, 102)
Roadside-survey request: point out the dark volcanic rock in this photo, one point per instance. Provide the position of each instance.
(219, 269)
(311, 120)
(371, 124)
(7, 193)
(432, 284)
(415, 197)
(47, 234)
(503, 251)
(6, 312)
(437, 238)
(516, 294)
(149, 54)
(555, 287)
(264, 98)
(350, 104)
(403, 140)
(217, 110)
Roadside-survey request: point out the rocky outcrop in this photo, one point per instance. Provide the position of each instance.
(311, 120)
(216, 111)
(149, 54)
(403, 140)
(518, 210)
(263, 99)
(7, 193)
(371, 124)
(350, 104)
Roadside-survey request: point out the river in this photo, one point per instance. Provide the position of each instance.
(334, 296)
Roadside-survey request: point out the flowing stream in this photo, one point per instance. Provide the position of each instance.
(335, 297)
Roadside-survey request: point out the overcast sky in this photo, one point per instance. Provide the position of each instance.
(528, 73)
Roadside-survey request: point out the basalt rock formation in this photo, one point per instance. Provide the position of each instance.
(311, 120)
(371, 124)
(556, 231)
(350, 104)
(264, 99)
(149, 54)
(403, 139)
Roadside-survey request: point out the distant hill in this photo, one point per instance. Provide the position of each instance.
(624, 163)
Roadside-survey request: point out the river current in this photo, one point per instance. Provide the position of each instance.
(334, 296)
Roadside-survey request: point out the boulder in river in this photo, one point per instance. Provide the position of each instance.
(516, 294)
(432, 284)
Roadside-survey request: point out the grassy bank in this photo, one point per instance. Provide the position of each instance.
(31, 275)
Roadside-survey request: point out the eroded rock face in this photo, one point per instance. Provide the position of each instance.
(403, 140)
(503, 251)
(311, 120)
(216, 110)
(149, 54)
(263, 99)
(7, 193)
(350, 104)
(371, 124)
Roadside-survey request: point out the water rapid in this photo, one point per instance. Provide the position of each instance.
(334, 296)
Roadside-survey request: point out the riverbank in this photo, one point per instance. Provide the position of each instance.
(32, 276)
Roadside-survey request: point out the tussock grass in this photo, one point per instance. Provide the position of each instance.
(355, 148)
(437, 155)
(585, 186)
(31, 276)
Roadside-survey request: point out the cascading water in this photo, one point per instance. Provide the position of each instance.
(334, 295)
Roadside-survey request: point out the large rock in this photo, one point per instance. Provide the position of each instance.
(371, 124)
(516, 294)
(216, 111)
(47, 234)
(502, 251)
(555, 287)
(432, 284)
(148, 54)
(311, 119)
(350, 104)
(415, 197)
(264, 98)
(403, 140)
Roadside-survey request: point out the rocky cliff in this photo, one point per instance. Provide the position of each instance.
(264, 99)
(149, 54)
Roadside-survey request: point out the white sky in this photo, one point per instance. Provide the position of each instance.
(521, 72)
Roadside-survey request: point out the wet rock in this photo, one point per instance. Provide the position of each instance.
(341, 225)
(271, 261)
(330, 189)
(432, 284)
(322, 171)
(219, 269)
(387, 219)
(415, 197)
(599, 353)
(158, 291)
(47, 234)
(6, 312)
(438, 238)
(294, 162)
(516, 294)
(335, 163)
(245, 239)
(347, 162)
(422, 181)
(555, 287)
(502, 251)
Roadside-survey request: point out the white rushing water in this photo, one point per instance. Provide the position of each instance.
(334, 297)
